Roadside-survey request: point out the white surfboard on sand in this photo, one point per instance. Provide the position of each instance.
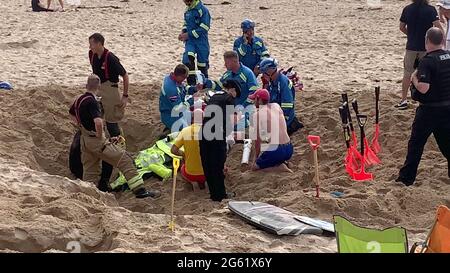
(316, 223)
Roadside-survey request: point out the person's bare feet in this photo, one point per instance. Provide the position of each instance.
(284, 167)
(289, 164)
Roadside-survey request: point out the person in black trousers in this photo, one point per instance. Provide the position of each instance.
(431, 87)
(213, 146)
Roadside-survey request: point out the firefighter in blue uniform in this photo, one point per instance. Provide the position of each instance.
(197, 22)
(250, 48)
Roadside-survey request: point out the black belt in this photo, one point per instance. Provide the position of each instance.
(114, 84)
(435, 104)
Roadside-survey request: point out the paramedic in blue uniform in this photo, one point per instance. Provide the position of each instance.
(431, 88)
(282, 92)
(197, 22)
(173, 106)
(238, 72)
(250, 48)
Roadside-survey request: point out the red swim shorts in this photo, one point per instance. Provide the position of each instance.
(201, 179)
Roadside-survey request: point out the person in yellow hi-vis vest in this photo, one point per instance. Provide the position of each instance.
(85, 112)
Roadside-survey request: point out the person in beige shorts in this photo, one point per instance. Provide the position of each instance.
(95, 147)
(415, 20)
(108, 68)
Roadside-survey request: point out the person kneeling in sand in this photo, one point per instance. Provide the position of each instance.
(36, 6)
(85, 112)
(191, 170)
(269, 130)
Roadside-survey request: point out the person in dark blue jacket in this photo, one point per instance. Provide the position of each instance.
(282, 92)
(197, 21)
(173, 105)
(250, 48)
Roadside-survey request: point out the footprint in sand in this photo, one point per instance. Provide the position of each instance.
(15, 45)
(383, 191)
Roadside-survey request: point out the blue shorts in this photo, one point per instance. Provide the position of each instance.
(276, 157)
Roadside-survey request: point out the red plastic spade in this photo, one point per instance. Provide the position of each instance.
(314, 141)
(375, 145)
(369, 155)
(361, 175)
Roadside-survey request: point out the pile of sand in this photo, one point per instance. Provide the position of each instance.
(336, 46)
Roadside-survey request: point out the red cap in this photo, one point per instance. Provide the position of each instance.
(262, 94)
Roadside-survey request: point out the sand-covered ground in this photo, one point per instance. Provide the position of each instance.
(336, 46)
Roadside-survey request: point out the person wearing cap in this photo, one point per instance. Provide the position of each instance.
(218, 121)
(194, 34)
(188, 138)
(95, 147)
(282, 91)
(444, 15)
(273, 146)
(173, 106)
(415, 20)
(431, 83)
(250, 48)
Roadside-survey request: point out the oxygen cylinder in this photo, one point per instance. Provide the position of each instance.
(246, 151)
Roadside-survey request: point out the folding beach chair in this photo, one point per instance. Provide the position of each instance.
(438, 240)
(353, 239)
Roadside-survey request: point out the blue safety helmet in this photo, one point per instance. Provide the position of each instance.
(247, 24)
(6, 85)
(267, 64)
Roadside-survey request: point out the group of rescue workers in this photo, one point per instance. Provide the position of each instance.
(245, 109)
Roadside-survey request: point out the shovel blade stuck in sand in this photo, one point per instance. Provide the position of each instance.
(361, 175)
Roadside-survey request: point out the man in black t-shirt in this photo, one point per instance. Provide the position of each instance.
(95, 147)
(432, 89)
(415, 20)
(108, 68)
(218, 123)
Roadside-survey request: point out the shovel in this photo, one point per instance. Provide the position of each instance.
(176, 164)
(314, 141)
(375, 145)
(354, 140)
(353, 146)
(369, 156)
(362, 175)
(350, 162)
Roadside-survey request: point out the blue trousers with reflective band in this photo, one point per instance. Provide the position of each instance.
(202, 50)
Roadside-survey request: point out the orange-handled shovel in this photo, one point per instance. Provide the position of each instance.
(176, 164)
(314, 141)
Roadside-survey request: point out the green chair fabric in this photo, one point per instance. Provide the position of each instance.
(353, 239)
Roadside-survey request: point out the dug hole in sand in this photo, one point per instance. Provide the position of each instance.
(335, 47)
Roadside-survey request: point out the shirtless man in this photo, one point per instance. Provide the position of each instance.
(269, 129)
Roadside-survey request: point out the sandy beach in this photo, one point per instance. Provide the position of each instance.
(335, 46)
